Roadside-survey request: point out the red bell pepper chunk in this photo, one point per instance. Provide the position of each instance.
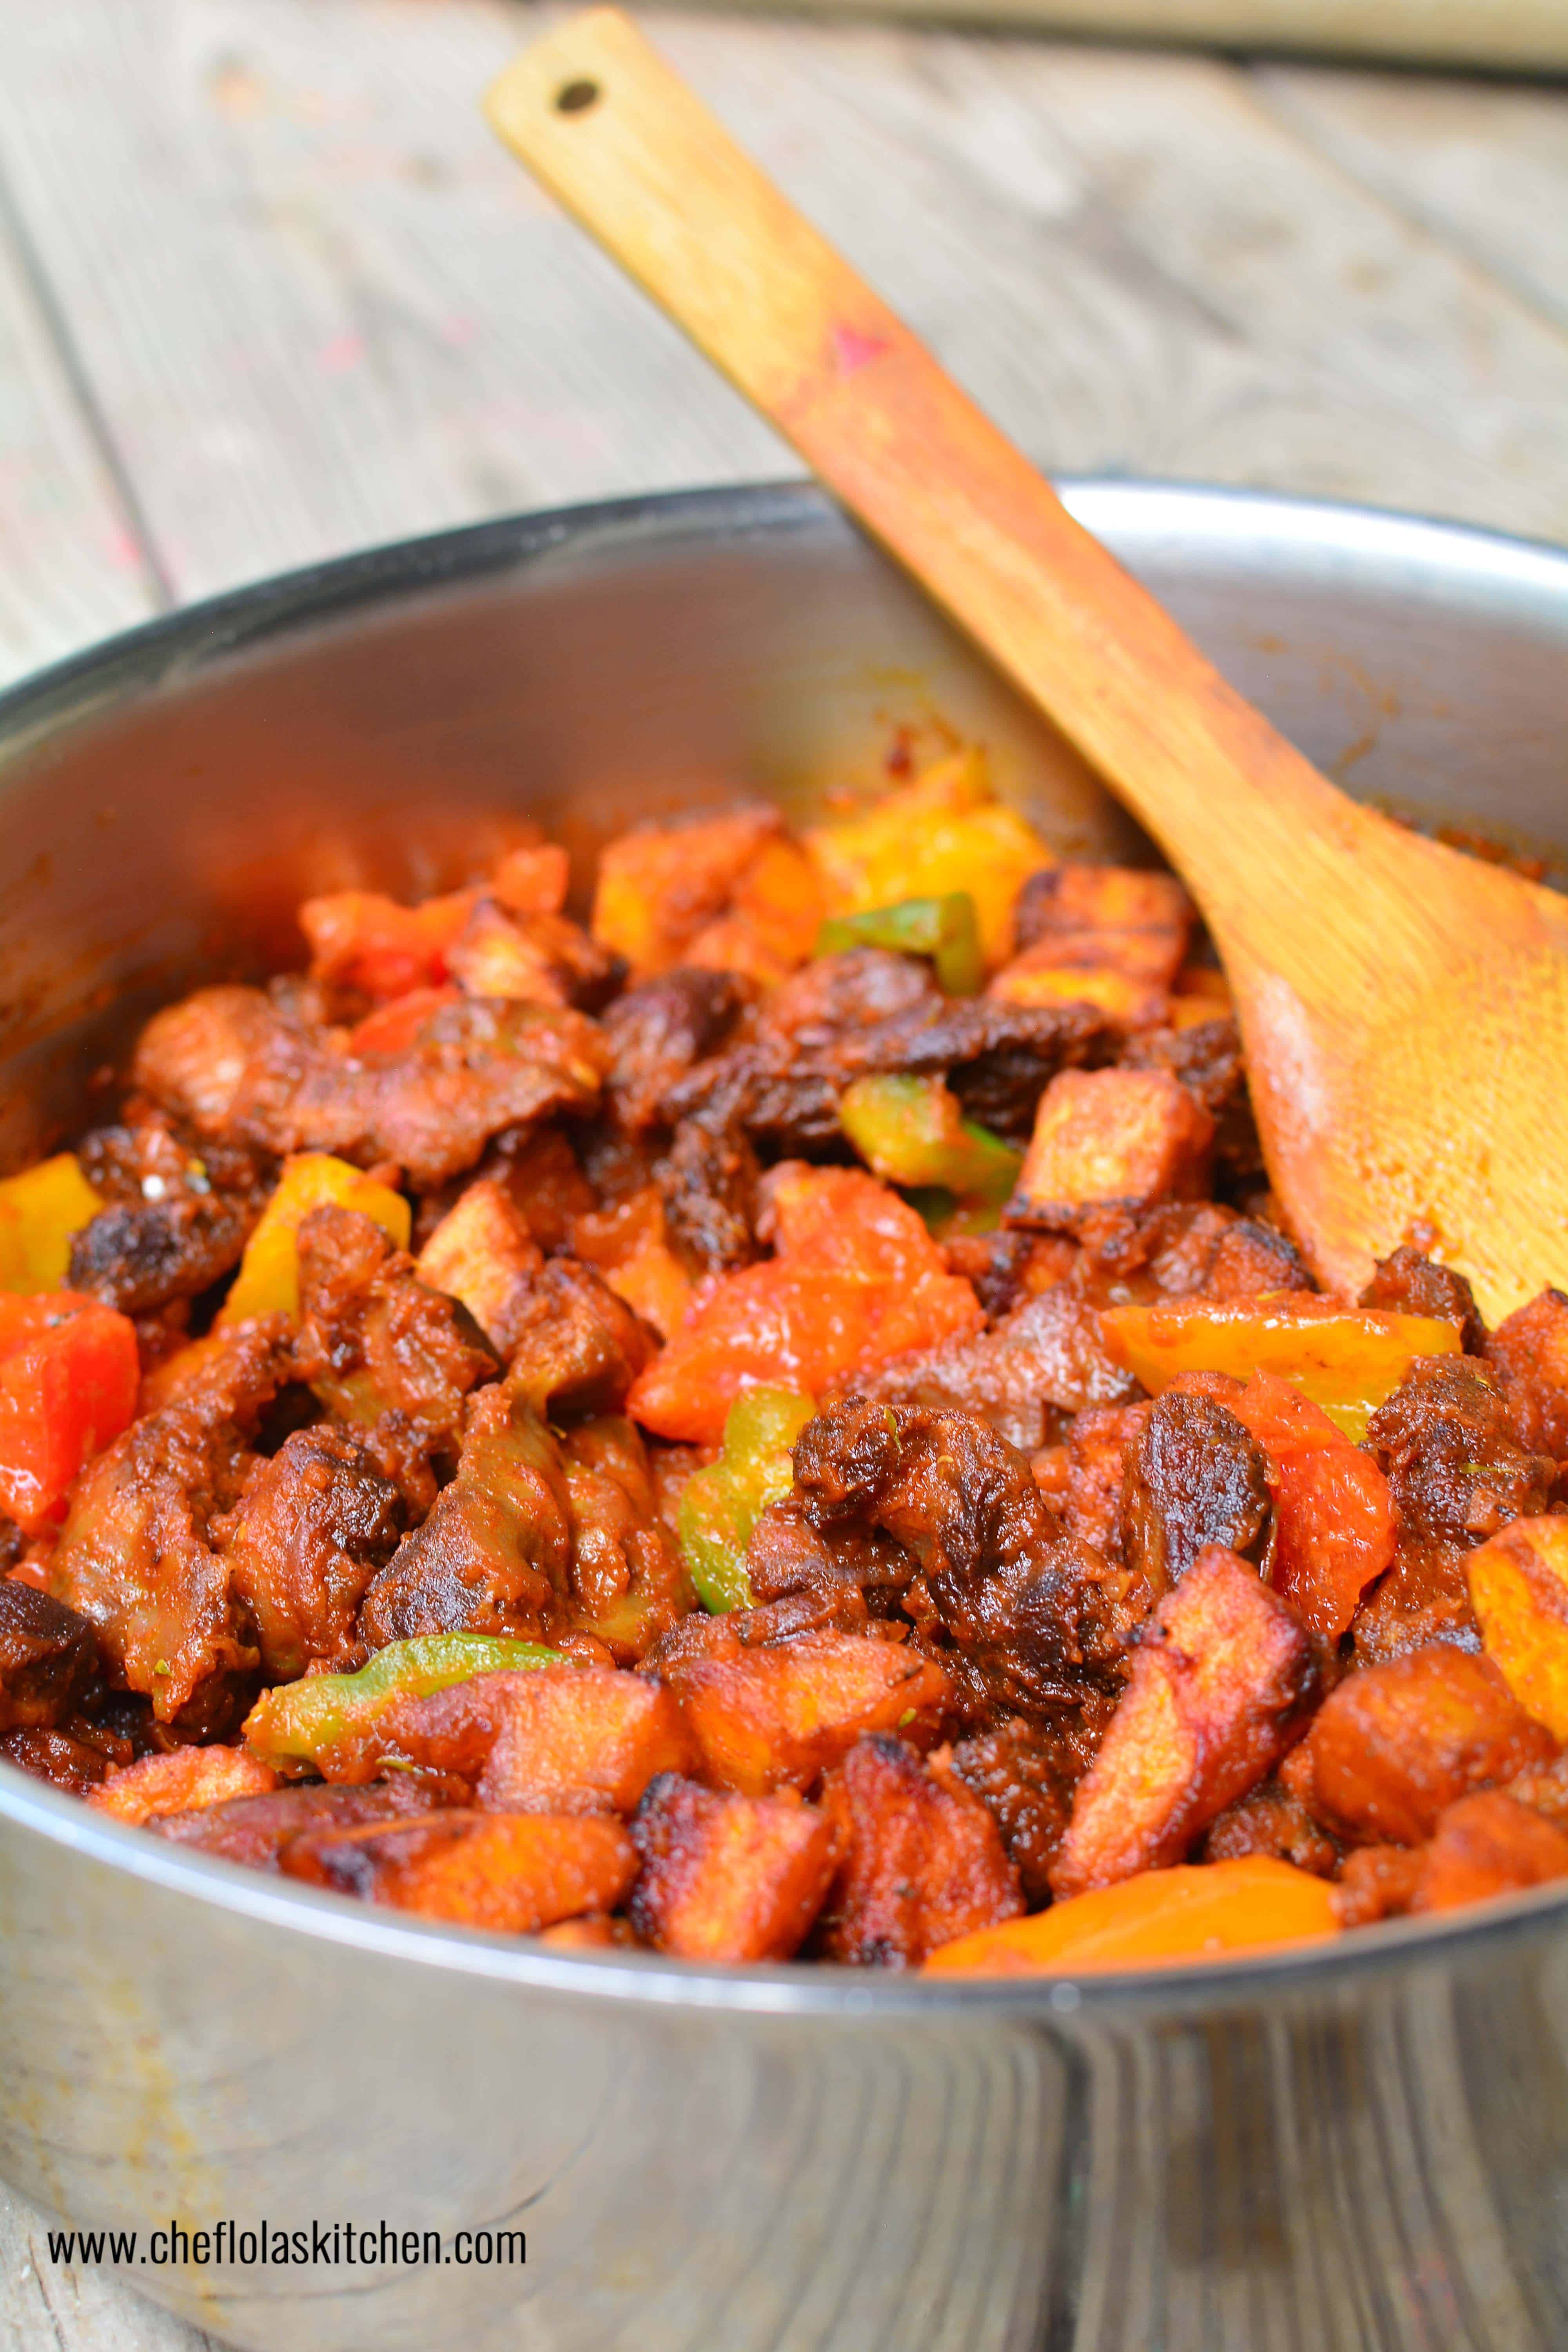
(68, 1375)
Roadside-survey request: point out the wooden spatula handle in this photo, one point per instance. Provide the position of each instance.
(624, 144)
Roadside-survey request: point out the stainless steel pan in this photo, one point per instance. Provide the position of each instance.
(1365, 2146)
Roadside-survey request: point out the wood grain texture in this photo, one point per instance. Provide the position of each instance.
(72, 565)
(46, 2307)
(1483, 167)
(321, 310)
(1523, 36)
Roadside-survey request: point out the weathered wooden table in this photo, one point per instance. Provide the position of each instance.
(267, 292)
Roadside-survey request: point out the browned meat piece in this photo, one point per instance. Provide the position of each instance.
(48, 1658)
(1254, 1256)
(1220, 1684)
(657, 1030)
(1094, 1474)
(1029, 1614)
(1394, 1744)
(537, 958)
(57, 1757)
(628, 1574)
(1529, 1350)
(177, 1217)
(784, 1102)
(1194, 1477)
(1424, 1597)
(836, 1608)
(1544, 1787)
(136, 1553)
(511, 1873)
(1456, 1472)
(1270, 1821)
(727, 1877)
(786, 1554)
(1026, 1778)
(579, 1346)
(494, 1555)
(997, 1263)
(1486, 1845)
(920, 1860)
(1208, 1060)
(310, 1531)
(998, 1058)
(707, 1180)
(838, 994)
(1408, 1283)
(543, 1182)
(1044, 1359)
(229, 1061)
(255, 1830)
(1377, 1882)
(373, 1339)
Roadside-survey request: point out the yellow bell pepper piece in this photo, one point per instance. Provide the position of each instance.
(1519, 1590)
(39, 1211)
(1346, 1358)
(268, 1282)
(945, 832)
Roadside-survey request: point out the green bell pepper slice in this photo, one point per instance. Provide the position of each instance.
(722, 1503)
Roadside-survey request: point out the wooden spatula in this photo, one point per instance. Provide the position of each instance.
(1404, 1008)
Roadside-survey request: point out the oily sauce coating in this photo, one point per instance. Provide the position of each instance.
(1397, 1743)
(177, 1218)
(1010, 1630)
(137, 1555)
(1220, 1685)
(229, 1061)
(1194, 1477)
(920, 1860)
(310, 1530)
(48, 1658)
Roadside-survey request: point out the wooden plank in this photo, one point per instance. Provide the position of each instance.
(1132, 269)
(72, 567)
(321, 308)
(46, 2306)
(319, 304)
(1520, 35)
(1481, 165)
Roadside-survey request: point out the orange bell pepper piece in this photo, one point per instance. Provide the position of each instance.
(68, 1377)
(1346, 1358)
(857, 1278)
(1199, 1911)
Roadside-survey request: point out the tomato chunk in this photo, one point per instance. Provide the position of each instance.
(1334, 1515)
(857, 1278)
(68, 1377)
(362, 940)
